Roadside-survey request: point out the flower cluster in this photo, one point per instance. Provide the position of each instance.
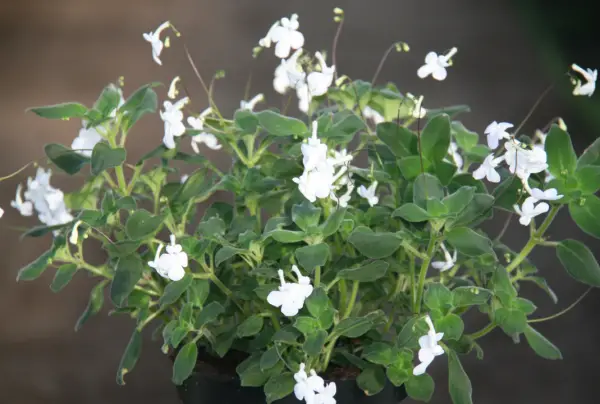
(312, 388)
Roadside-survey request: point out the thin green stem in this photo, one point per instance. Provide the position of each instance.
(317, 280)
(352, 301)
(560, 313)
(411, 269)
(423, 271)
(148, 320)
(484, 331)
(534, 239)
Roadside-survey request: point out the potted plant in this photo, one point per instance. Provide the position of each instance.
(349, 247)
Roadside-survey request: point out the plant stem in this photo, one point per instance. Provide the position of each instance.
(317, 280)
(148, 320)
(560, 313)
(484, 331)
(423, 272)
(353, 295)
(411, 267)
(534, 239)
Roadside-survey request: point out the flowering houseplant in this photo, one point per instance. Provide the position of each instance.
(318, 264)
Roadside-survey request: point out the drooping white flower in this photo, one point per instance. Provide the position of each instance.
(75, 233)
(172, 117)
(173, 91)
(456, 157)
(370, 113)
(319, 82)
(429, 348)
(291, 296)
(266, 41)
(156, 42)
(369, 193)
(550, 194)
(487, 169)
(590, 76)
(304, 96)
(249, 105)
(524, 162)
(289, 73)
(171, 264)
(25, 208)
(86, 140)
(529, 210)
(417, 111)
(449, 260)
(47, 201)
(496, 131)
(285, 35)
(435, 65)
(314, 152)
(206, 138)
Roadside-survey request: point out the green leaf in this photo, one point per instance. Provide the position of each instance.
(562, 159)
(314, 342)
(435, 138)
(512, 321)
(306, 216)
(586, 214)
(130, 356)
(579, 262)
(185, 363)
(379, 353)
(400, 140)
(588, 179)
(279, 125)
(142, 101)
(365, 273)
(465, 138)
(437, 296)
(108, 101)
(269, 358)
(319, 306)
(246, 121)
(127, 274)
(63, 276)
(414, 328)
(412, 213)
(198, 292)
(306, 325)
(250, 326)
(410, 167)
(64, 158)
(225, 253)
(463, 296)
(541, 345)
(250, 373)
(501, 282)
(198, 186)
(474, 212)
(353, 327)
(287, 236)
(94, 304)
(420, 387)
(333, 222)
(174, 290)
(279, 386)
(311, 256)
(36, 268)
(451, 325)
(458, 381)
(459, 200)
(104, 157)
(209, 313)
(142, 224)
(63, 111)
(591, 155)
(543, 284)
(374, 245)
(425, 187)
(468, 242)
(371, 380)
(286, 334)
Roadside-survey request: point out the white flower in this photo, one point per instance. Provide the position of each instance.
(172, 117)
(341, 157)
(456, 157)
(266, 41)
(85, 142)
(449, 260)
(529, 210)
(156, 42)
(304, 97)
(172, 263)
(285, 35)
(369, 193)
(208, 139)
(314, 152)
(319, 82)
(290, 296)
(524, 162)
(435, 65)
(316, 183)
(184, 178)
(173, 92)
(496, 131)
(417, 112)
(288, 74)
(24, 208)
(343, 200)
(249, 105)
(550, 194)
(312, 388)
(429, 348)
(370, 113)
(75, 233)
(1, 213)
(327, 395)
(487, 169)
(590, 77)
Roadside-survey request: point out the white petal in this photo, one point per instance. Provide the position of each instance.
(492, 141)
(276, 298)
(493, 176)
(296, 39)
(424, 71)
(440, 73)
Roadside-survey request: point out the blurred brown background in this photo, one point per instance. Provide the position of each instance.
(62, 50)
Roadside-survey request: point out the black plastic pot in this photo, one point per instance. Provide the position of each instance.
(206, 388)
